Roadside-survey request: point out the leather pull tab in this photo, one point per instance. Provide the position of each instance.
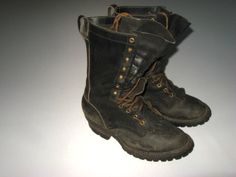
(111, 10)
(83, 26)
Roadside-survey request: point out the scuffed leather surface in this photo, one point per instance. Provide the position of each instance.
(160, 135)
(105, 62)
(182, 106)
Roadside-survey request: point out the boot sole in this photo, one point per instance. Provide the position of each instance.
(145, 155)
(106, 133)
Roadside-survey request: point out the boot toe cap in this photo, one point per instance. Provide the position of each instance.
(199, 112)
(163, 145)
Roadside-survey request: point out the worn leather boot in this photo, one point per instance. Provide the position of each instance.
(168, 100)
(113, 103)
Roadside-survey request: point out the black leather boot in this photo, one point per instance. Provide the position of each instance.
(168, 100)
(113, 103)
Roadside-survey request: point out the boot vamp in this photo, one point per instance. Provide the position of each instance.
(188, 107)
(115, 117)
(155, 135)
(159, 135)
(184, 107)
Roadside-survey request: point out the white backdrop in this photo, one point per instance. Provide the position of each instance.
(43, 132)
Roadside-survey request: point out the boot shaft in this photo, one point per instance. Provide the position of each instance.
(116, 60)
(175, 23)
(105, 51)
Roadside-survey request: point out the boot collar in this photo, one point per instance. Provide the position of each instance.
(143, 44)
(139, 11)
(101, 26)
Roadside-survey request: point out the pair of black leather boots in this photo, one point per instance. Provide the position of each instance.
(127, 94)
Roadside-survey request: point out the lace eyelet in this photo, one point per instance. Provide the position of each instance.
(135, 116)
(159, 85)
(142, 122)
(165, 90)
(171, 95)
(130, 49)
(131, 40)
(120, 106)
(127, 111)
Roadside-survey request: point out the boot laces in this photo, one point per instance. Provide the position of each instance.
(132, 100)
(116, 22)
(161, 81)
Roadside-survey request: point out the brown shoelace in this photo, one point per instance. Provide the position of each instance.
(116, 22)
(160, 80)
(132, 100)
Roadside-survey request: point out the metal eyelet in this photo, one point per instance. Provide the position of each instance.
(135, 116)
(123, 68)
(127, 111)
(130, 49)
(142, 122)
(115, 93)
(171, 94)
(159, 85)
(131, 40)
(121, 77)
(165, 90)
(127, 59)
(120, 106)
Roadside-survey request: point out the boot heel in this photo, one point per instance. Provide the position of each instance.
(100, 131)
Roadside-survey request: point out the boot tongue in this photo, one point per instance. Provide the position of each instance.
(161, 66)
(145, 26)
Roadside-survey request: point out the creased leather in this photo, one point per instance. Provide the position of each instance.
(181, 106)
(106, 49)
